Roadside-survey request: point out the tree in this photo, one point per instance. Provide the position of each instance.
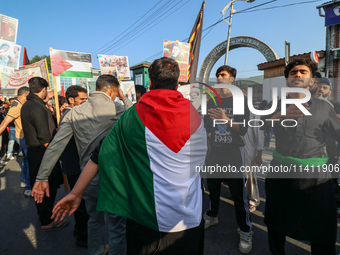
(36, 58)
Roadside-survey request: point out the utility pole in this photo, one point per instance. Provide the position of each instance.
(287, 52)
(232, 11)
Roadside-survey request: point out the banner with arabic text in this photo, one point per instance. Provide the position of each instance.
(10, 83)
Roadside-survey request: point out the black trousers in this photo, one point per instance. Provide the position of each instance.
(80, 215)
(142, 240)
(277, 245)
(34, 156)
(239, 194)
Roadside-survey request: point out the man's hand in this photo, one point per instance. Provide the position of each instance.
(39, 190)
(69, 204)
(50, 94)
(294, 112)
(218, 114)
(121, 95)
(258, 158)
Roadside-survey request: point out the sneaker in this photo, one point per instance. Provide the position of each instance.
(20, 154)
(245, 245)
(252, 208)
(27, 192)
(22, 185)
(209, 221)
(10, 157)
(3, 162)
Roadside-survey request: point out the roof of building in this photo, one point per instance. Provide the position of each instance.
(281, 61)
(141, 64)
(328, 3)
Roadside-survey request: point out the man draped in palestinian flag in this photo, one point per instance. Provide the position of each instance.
(147, 170)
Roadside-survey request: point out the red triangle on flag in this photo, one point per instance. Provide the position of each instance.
(59, 65)
(62, 93)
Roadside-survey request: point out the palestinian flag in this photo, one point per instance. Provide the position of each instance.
(147, 163)
(71, 64)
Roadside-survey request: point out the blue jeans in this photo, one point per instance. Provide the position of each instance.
(96, 223)
(25, 174)
(12, 139)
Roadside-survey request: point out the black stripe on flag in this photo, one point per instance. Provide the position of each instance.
(74, 56)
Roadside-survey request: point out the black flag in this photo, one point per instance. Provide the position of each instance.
(26, 61)
(195, 45)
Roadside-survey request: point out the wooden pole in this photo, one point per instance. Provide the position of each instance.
(56, 102)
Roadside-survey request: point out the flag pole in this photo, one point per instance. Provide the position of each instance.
(56, 101)
(48, 74)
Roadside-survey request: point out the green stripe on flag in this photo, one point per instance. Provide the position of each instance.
(76, 74)
(125, 179)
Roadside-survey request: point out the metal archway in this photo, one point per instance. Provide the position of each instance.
(235, 42)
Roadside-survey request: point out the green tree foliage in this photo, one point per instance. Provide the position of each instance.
(37, 58)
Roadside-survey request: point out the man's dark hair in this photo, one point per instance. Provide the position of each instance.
(22, 91)
(164, 73)
(232, 71)
(106, 81)
(61, 100)
(140, 89)
(73, 91)
(317, 75)
(36, 84)
(301, 62)
(12, 98)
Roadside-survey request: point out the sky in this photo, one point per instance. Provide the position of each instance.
(87, 26)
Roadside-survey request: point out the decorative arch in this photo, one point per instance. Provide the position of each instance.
(235, 42)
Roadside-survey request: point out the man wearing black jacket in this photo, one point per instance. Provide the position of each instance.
(39, 129)
(227, 150)
(301, 203)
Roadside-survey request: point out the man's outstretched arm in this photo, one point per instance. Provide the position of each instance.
(51, 156)
(5, 123)
(70, 203)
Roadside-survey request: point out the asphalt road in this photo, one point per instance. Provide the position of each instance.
(20, 228)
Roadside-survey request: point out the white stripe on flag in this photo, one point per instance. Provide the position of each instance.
(80, 66)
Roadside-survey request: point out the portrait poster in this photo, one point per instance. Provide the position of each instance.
(180, 52)
(9, 56)
(8, 28)
(115, 64)
(128, 88)
(192, 93)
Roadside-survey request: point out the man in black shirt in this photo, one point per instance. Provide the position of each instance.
(227, 149)
(39, 129)
(301, 203)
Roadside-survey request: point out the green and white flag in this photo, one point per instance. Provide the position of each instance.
(147, 163)
(71, 64)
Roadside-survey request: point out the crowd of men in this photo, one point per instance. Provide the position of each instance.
(136, 163)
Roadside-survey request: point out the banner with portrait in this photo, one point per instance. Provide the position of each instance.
(192, 93)
(180, 52)
(128, 88)
(8, 28)
(117, 66)
(9, 56)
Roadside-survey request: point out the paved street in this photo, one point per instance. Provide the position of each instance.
(20, 229)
